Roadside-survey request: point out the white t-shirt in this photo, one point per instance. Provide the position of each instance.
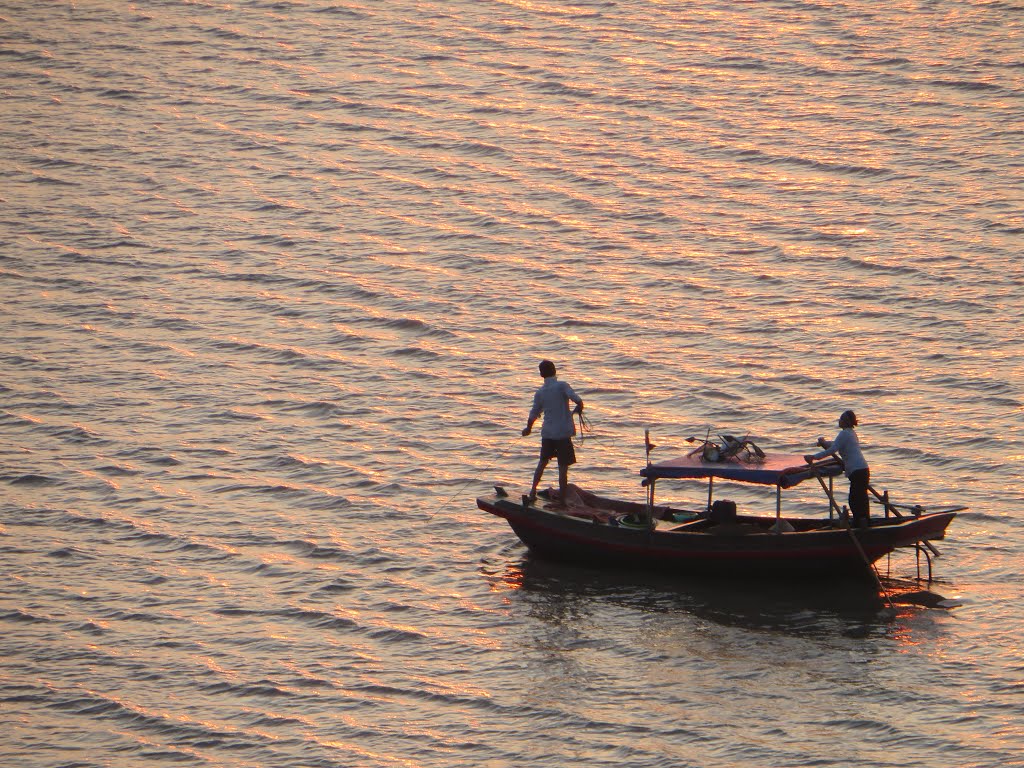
(552, 399)
(847, 446)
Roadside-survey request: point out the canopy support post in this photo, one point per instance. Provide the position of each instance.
(648, 447)
(831, 496)
(650, 504)
(711, 486)
(778, 509)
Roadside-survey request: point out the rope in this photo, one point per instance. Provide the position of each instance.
(584, 429)
(473, 480)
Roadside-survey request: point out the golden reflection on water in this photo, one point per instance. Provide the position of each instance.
(510, 578)
(415, 211)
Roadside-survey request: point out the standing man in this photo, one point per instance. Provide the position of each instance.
(552, 399)
(855, 465)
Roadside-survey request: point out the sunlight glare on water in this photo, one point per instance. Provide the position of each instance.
(276, 279)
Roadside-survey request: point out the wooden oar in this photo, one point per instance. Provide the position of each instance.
(853, 537)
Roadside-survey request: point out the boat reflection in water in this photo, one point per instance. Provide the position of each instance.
(845, 605)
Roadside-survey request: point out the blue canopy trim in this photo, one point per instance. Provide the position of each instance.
(781, 469)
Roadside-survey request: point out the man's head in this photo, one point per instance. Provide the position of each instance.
(547, 368)
(847, 419)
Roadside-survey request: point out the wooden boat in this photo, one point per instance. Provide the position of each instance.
(588, 528)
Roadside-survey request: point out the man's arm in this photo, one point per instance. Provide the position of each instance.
(828, 447)
(534, 414)
(575, 398)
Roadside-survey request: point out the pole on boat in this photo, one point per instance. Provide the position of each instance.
(649, 511)
(844, 521)
(831, 494)
(884, 498)
(890, 507)
(649, 481)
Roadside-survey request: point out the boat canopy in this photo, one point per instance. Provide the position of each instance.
(781, 469)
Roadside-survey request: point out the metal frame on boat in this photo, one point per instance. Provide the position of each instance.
(586, 527)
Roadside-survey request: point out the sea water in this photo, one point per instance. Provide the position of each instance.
(276, 278)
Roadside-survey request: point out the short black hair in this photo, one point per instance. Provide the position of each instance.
(547, 368)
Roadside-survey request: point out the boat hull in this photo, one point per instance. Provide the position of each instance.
(747, 547)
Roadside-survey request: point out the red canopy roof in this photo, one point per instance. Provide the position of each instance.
(782, 469)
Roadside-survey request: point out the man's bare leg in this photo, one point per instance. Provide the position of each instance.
(537, 474)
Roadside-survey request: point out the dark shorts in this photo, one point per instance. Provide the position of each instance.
(551, 448)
